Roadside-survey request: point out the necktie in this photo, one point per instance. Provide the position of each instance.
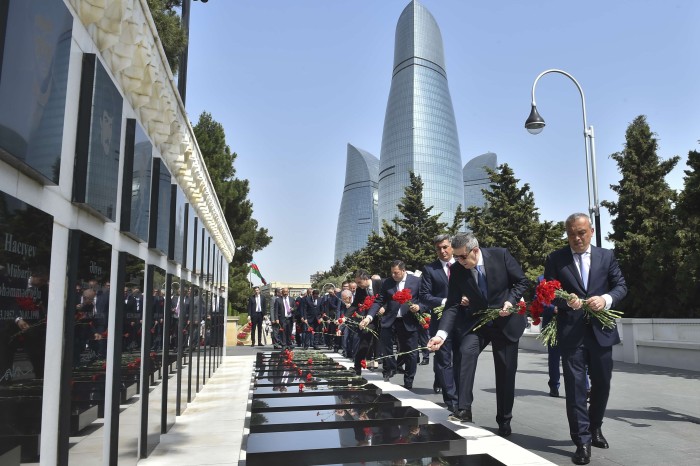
(286, 307)
(448, 270)
(583, 268)
(483, 286)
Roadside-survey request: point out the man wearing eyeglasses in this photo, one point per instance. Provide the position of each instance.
(488, 278)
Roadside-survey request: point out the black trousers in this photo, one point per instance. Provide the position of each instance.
(598, 360)
(467, 347)
(256, 319)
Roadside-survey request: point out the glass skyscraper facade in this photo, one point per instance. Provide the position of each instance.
(420, 132)
(476, 178)
(358, 207)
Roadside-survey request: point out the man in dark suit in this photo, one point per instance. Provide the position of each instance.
(594, 276)
(433, 294)
(488, 278)
(284, 316)
(310, 317)
(398, 319)
(256, 309)
(275, 320)
(365, 342)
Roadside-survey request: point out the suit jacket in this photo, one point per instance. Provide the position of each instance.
(251, 305)
(604, 277)
(506, 282)
(433, 286)
(391, 307)
(330, 305)
(362, 293)
(309, 310)
(279, 310)
(273, 309)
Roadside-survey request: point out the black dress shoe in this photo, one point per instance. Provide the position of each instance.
(504, 430)
(597, 439)
(408, 386)
(553, 392)
(425, 362)
(461, 415)
(437, 388)
(388, 375)
(582, 454)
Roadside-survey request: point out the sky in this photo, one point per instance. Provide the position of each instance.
(293, 82)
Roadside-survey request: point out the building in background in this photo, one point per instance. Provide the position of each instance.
(420, 132)
(420, 135)
(476, 179)
(358, 207)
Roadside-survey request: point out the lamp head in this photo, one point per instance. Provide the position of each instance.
(534, 123)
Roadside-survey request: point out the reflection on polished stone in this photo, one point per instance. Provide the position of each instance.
(299, 403)
(464, 460)
(373, 416)
(379, 443)
(311, 390)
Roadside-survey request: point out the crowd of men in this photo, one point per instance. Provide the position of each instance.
(463, 280)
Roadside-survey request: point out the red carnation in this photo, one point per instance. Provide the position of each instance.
(403, 296)
(309, 376)
(310, 361)
(522, 307)
(363, 363)
(301, 387)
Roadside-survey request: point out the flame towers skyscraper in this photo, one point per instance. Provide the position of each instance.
(420, 132)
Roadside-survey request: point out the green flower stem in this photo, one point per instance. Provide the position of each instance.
(400, 354)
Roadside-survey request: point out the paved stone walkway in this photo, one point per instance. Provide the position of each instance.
(653, 416)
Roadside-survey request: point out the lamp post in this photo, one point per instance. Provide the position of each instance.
(535, 124)
(182, 71)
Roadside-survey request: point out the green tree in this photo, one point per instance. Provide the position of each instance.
(409, 236)
(510, 219)
(237, 208)
(641, 218)
(687, 250)
(172, 34)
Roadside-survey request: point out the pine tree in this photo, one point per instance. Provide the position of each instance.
(417, 226)
(640, 218)
(237, 208)
(170, 30)
(510, 219)
(687, 252)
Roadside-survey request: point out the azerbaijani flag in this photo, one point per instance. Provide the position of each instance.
(254, 268)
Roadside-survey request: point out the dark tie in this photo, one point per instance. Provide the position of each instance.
(483, 285)
(448, 271)
(583, 269)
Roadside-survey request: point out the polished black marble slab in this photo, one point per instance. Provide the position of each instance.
(376, 443)
(367, 415)
(461, 460)
(299, 403)
(317, 380)
(313, 390)
(280, 364)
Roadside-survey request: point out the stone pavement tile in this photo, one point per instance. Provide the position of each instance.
(210, 430)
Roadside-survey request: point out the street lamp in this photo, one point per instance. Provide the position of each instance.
(535, 124)
(182, 72)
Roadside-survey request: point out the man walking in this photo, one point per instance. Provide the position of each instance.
(594, 276)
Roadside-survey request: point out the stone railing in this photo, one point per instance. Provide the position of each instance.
(671, 343)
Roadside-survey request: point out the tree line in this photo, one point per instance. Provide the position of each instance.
(656, 230)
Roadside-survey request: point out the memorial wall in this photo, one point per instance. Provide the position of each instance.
(113, 248)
